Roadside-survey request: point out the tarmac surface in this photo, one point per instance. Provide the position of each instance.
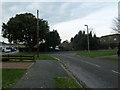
(41, 75)
(93, 72)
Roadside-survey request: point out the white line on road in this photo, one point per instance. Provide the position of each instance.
(90, 63)
(115, 72)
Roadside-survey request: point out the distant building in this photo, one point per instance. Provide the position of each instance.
(3, 44)
(65, 45)
(110, 40)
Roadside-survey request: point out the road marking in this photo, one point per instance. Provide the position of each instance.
(91, 63)
(115, 71)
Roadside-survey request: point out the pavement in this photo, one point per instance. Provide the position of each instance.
(15, 65)
(93, 72)
(41, 75)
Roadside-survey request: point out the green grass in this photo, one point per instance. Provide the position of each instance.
(11, 76)
(93, 54)
(61, 82)
(45, 57)
(109, 58)
(0, 78)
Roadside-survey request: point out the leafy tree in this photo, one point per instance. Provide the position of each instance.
(118, 52)
(22, 29)
(53, 39)
(79, 42)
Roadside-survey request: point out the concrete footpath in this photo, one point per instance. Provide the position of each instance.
(41, 75)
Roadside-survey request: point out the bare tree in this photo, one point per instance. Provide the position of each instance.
(116, 26)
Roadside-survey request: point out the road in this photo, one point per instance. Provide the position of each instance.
(94, 73)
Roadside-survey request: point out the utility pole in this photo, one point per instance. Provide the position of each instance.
(88, 38)
(38, 31)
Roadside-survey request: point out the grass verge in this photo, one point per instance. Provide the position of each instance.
(93, 54)
(45, 57)
(61, 82)
(112, 59)
(11, 76)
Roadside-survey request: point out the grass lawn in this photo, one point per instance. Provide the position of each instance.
(61, 82)
(93, 54)
(45, 57)
(11, 76)
(109, 58)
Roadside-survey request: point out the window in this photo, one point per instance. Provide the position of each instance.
(115, 39)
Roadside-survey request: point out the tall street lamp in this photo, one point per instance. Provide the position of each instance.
(37, 30)
(88, 38)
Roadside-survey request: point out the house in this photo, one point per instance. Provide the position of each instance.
(65, 45)
(110, 40)
(4, 46)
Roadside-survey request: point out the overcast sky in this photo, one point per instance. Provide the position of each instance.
(67, 17)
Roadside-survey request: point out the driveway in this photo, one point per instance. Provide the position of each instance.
(95, 73)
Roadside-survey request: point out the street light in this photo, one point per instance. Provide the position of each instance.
(37, 30)
(88, 38)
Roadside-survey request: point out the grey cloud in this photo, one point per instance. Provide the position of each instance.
(54, 12)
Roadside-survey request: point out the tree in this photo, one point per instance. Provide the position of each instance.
(116, 26)
(22, 29)
(53, 39)
(79, 42)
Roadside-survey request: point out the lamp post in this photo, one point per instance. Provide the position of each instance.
(37, 30)
(88, 38)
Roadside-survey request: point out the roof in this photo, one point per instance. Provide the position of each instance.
(2, 42)
(110, 35)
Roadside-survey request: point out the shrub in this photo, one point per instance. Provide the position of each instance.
(118, 52)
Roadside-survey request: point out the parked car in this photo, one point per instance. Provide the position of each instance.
(57, 48)
(13, 49)
(6, 49)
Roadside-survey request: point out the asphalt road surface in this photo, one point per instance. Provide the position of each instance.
(95, 73)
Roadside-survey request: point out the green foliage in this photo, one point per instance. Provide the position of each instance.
(53, 39)
(11, 76)
(66, 83)
(118, 52)
(97, 53)
(79, 42)
(22, 28)
(112, 59)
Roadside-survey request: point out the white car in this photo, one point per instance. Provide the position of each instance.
(7, 49)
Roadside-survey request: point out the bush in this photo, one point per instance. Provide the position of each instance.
(5, 59)
(118, 52)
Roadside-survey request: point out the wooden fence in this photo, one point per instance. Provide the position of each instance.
(18, 57)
